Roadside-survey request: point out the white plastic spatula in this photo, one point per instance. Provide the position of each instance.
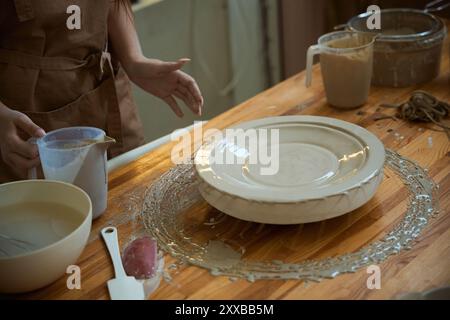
(122, 287)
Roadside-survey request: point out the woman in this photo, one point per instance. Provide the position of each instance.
(56, 71)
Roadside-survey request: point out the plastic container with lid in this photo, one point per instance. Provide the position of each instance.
(409, 48)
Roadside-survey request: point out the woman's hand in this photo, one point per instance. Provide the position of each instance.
(166, 81)
(17, 153)
(162, 79)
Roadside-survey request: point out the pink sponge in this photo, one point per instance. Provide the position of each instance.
(140, 258)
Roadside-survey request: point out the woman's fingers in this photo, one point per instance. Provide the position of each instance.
(22, 162)
(24, 122)
(163, 67)
(173, 105)
(17, 153)
(156, 68)
(183, 94)
(189, 83)
(165, 80)
(23, 148)
(19, 164)
(182, 97)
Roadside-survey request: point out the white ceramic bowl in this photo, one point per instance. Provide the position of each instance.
(54, 218)
(327, 167)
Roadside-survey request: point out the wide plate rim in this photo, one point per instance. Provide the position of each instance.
(373, 167)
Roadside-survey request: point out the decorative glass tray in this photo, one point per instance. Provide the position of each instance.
(189, 229)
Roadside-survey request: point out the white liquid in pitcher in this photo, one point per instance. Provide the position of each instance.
(69, 165)
(35, 225)
(82, 166)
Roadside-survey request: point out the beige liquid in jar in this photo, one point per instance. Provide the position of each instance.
(347, 75)
(38, 223)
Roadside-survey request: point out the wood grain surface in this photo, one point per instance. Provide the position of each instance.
(425, 266)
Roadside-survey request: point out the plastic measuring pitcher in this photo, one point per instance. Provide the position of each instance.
(77, 155)
(346, 61)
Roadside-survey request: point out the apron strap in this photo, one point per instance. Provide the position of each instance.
(114, 119)
(24, 10)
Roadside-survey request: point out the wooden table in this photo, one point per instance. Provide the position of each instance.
(426, 266)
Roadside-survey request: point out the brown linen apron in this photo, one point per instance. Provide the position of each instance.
(61, 77)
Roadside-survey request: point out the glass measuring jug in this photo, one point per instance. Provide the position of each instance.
(346, 61)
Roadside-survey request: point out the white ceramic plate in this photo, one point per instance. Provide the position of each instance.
(327, 167)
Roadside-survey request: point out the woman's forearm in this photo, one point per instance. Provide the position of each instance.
(123, 36)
